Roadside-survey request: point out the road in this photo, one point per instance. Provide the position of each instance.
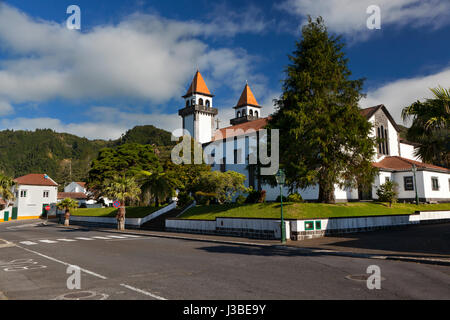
(34, 259)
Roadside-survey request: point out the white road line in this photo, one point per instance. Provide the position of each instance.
(48, 241)
(101, 238)
(116, 237)
(142, 291)
(28, 243)
(82, 238)
(65, 263)
(130, 236)
(66, 240)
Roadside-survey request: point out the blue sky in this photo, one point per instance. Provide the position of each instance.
(133, 60)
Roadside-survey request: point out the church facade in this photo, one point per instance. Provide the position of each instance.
(233, 148)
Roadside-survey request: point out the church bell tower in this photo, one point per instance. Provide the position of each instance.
(198, 113)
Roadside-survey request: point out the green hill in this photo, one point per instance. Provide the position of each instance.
(64, 157)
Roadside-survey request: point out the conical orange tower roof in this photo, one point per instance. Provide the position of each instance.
(247, 98)
(198, 85)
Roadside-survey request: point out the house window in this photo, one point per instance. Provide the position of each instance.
(386, 179)
(223, 165)
(435, 183)
(46, 192)
(23, 193)
(408, 183)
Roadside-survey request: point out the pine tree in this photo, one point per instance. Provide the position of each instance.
(323, 137)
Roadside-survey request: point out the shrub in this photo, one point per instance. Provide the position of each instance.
(205, 198)
(184, 199)
(294, 197)
(240, 199)
(256, 196)
(387, 192)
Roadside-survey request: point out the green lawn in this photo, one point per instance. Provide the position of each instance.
(131, 212)
(305, 210)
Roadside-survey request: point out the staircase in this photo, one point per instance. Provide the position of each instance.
(159, 223)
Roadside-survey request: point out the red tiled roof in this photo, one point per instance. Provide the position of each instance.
(236, 130)
(198, 85)
(72, 195)
(247, 98)
(399, 163)
(2, 202)
(35, 179)
(82, 184)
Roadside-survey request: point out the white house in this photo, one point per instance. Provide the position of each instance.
(394, 156)
(32, 193)
(79, 192)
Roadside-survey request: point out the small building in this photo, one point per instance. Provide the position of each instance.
(80, 197)
(74, 190)
(32, 193)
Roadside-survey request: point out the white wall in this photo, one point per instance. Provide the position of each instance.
(204, 128)
(31, 205)
(393, 140)
(74, 187)
(443, 192)
(407, 151)
(189, 124)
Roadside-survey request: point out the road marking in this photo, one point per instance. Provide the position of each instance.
(28, 243)
(101, 238)
(65, 263)
(116, 237)
(142, 291)
(66, 240)
(131, 236)
(82, 238)
(48, 241)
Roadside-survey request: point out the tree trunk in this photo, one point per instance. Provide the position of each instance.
(121, 218)
(326, 192)
(67, 217)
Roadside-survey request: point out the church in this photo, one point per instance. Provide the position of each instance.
(231, 148)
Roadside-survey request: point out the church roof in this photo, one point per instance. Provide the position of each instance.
(397, 163)
(247, 98)
(369, 112)
(198, 85)
(240, 128)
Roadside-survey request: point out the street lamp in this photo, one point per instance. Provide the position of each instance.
(281, 178)
(414, 169)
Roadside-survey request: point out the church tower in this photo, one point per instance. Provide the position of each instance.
(198, 113)
(247, 108)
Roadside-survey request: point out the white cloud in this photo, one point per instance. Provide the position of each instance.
(5, 108)
(400, 93)
(349, 16)
(144, 57)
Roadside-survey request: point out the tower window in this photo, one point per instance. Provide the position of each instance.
(243, 113)
(187, 103)
(251, 112)
(192, 102)
(200, 101)
(256, 114)
(238, 114)
(207, 103)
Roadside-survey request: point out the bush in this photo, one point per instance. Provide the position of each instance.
(184, 199)
(294, 197)
(387, 192)
(256, 196)
(205, 198)
(240, 199)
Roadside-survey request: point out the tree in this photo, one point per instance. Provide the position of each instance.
(67, 204)
(430, 127)
(6, 184)
(387, 192)
(220, 185)
(160, 185)
(324, 139)
(126, 160)
(124, 189)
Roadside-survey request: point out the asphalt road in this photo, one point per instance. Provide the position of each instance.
(34, 261)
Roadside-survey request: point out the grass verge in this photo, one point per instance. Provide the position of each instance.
(131, 212)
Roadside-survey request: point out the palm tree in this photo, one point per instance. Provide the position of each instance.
(67, 204)
(430, 127)
(160, 185)
(124, 189)
(6, 184)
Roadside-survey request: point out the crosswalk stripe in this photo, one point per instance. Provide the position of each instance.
(101, 238)
(117, 237)
(66, 240)
(28, 243)
(131, 236)
(48, 241)
(82, 238)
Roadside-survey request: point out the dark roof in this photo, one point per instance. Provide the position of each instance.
(72, 195)
(402, 164)
(369, 112)
(36, 179)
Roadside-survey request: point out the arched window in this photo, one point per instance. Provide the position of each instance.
(243, 113)
(256, 114)
(200, 101)
(238, 114)
(207, 103)
(187, 103)
(251, 112)
(192, 102)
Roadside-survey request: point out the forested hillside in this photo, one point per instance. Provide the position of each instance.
(64, 157)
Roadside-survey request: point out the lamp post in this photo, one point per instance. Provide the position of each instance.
(281, 178)
(414, 169)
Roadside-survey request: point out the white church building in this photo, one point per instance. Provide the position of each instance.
(394, 158)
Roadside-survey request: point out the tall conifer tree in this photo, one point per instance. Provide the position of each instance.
(324, 139)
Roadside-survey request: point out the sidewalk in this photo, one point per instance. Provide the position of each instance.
(403, 245)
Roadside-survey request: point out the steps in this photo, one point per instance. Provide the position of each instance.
(159, 223)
